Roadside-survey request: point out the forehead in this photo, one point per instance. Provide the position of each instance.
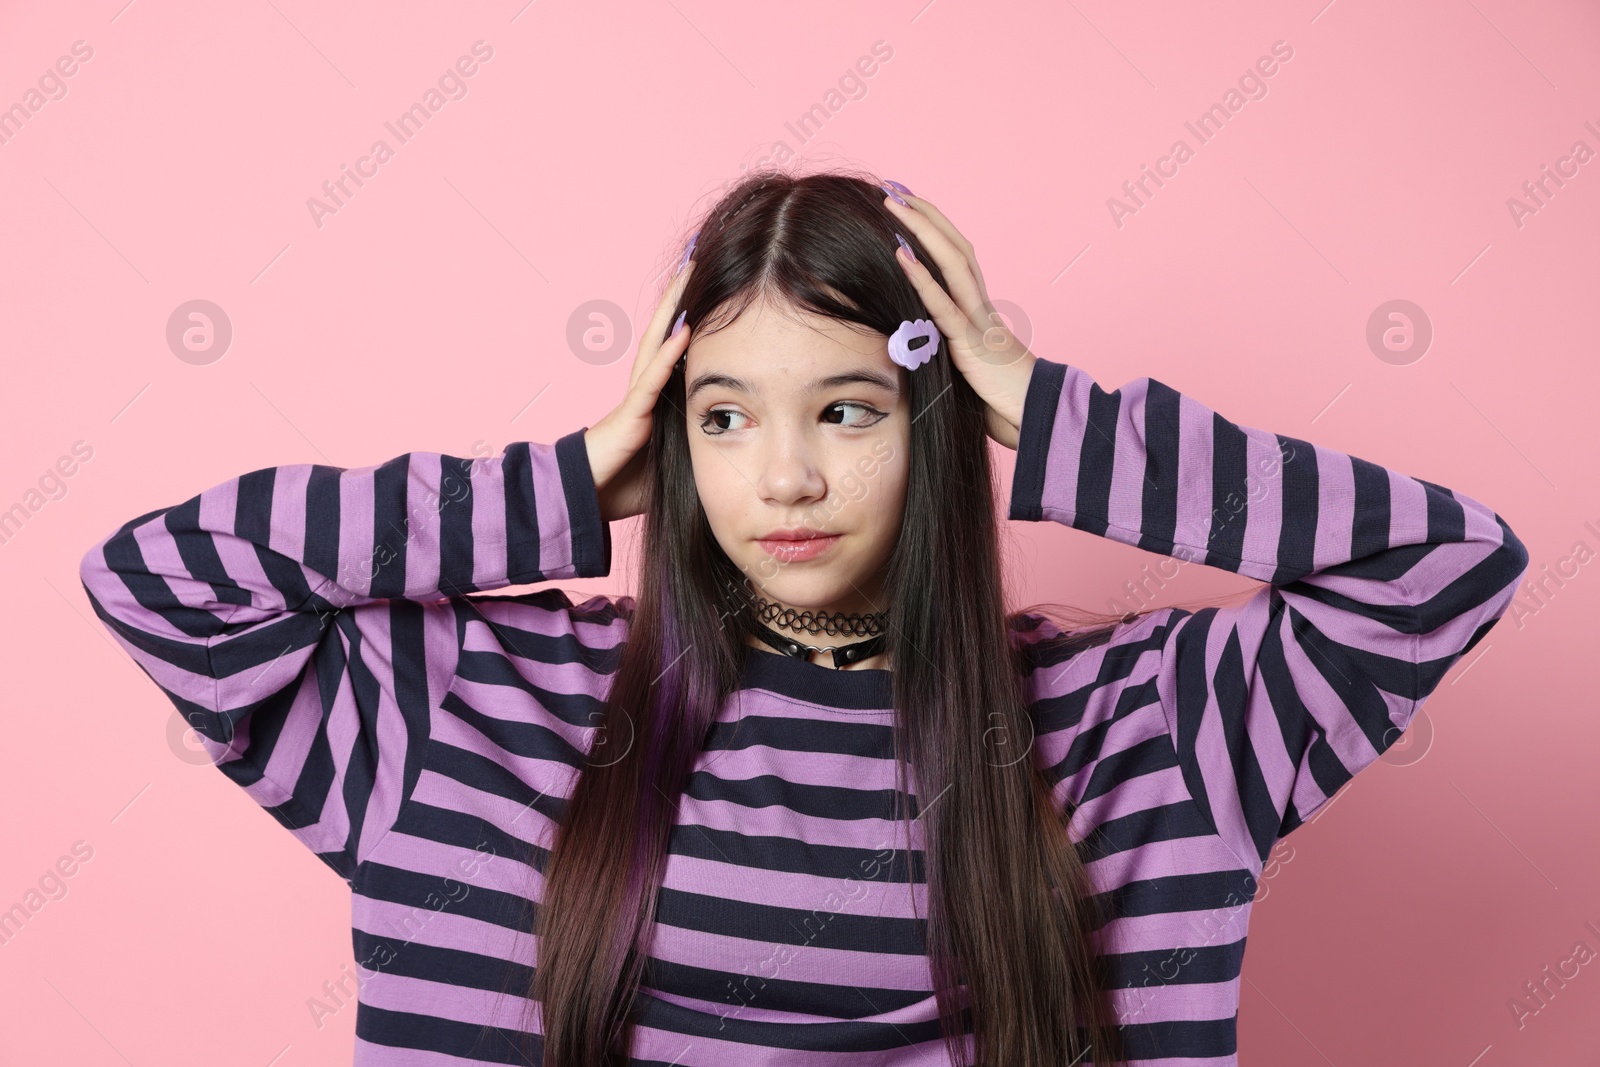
(772, 339)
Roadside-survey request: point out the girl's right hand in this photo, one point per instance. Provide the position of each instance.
(616, 443)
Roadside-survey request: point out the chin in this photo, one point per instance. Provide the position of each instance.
(806, 591)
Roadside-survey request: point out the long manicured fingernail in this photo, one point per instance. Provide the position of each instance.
(894, 194)
(687, 252)
(897, 185)
(905, 245)
(676, 326)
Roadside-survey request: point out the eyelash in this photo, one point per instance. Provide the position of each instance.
(705, 423)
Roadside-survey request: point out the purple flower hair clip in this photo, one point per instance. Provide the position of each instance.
(904, 353)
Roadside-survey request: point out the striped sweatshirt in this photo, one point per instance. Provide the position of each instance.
(326, 632)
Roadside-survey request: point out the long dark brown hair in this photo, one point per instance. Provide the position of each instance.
(1011, 910)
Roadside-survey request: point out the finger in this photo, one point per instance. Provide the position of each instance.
(948, 228)
(657, 370)
(963, 285)
(947, 315)
(655, 331)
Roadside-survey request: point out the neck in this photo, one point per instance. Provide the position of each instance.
(822, 628)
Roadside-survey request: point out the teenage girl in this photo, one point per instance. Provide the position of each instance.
(815, 795)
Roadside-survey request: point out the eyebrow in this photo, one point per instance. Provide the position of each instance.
(833, 381)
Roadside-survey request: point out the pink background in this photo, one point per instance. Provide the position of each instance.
(432, 309)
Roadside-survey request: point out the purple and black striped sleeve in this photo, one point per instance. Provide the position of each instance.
(299, 617)
(1377, 584)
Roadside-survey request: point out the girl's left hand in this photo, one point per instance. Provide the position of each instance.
(987, 354)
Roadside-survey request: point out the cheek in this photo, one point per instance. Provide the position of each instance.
(717, 484)
(894, 482)
(876, 488)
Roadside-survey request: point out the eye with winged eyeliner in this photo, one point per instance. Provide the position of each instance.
(873, 413)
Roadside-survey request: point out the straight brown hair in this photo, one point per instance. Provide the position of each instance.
(1011, 910)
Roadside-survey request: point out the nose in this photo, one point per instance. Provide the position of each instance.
(789, 474)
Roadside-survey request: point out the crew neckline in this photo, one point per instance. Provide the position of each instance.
(856, 689)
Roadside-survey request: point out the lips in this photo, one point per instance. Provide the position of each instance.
(793, 533)
(793, 544)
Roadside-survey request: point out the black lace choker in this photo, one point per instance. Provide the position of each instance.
(827, 622)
